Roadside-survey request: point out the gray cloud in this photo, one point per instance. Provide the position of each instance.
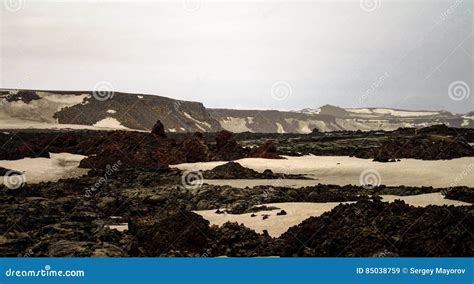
(404, 54)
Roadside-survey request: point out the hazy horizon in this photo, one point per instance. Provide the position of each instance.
(246, 55)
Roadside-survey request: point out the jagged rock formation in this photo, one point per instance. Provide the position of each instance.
(227, 148)
(158, 130)
(267, 150)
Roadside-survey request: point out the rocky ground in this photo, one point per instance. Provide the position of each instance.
(72, 218)
(76, 217)
(159, 149)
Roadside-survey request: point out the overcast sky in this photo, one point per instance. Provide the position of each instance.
(241, 54)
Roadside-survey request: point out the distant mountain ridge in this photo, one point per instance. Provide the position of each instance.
(81, 110)
(58, 109)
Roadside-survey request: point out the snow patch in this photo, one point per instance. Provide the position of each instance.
(199, 124)
(61, 165)
(280, 128)
(41, 110)
(111, 111)
(235, 124)
(110, 123)
(310, 111)
(401, 113)
(341, 170)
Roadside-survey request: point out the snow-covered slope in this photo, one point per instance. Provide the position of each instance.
(82, 110)
(332, 118)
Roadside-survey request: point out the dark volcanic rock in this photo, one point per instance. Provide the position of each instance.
(174, 231)
(194, 149)
(366, 228)
(233, 170)
(158, 129)
(59, 219)
(268, 151)
(439, 129)
(424, 147)
(237, 240)
(227, 148)
(315, 131)
(25, 96)
(4, 171)
(465, 194)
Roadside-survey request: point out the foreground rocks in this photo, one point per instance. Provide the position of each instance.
(5, 171)
(370, 227)
(72, 218)
(465, 194)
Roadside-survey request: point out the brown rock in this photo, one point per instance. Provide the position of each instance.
(158, 129)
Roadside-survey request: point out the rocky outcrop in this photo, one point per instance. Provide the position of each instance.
(424, 147)
(367, 228)
(237, 240)
(158, 129)
(460, 193)
(195, 149)
(178, 231)
(227, 148)
(267, 150)
(233, 170)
